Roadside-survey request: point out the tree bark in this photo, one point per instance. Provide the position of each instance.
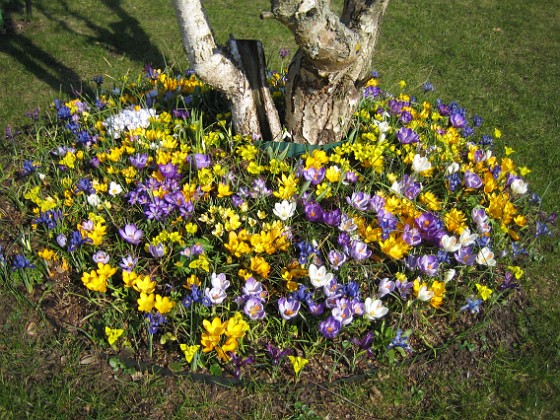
(327, 73)
(324, 80)
(224, 71)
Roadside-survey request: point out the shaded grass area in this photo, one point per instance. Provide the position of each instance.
(498, 60)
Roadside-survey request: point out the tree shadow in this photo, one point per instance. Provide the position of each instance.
(123, 37)
(43, 65)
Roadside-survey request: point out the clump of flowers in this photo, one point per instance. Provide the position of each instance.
(234, 249)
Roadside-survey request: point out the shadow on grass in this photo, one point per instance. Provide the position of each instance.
(123, 37)
(43, 65)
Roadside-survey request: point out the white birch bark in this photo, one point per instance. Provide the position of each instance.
(219, 69)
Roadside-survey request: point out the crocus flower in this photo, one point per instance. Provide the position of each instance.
(332, 218)
(337, 259)
(288, 307)
(473, 306)
(219, 281)
(359, 200)
(101, 256)
(276, 354)
(364, 343)
(359, 250)
(200, 160)
(157, 251)
(519, 187)
(284, 210)
(407, 136)
(114, 189)
(319, 276)
(330, 327)
(486, 257)
(216, 295)
(139, 161)
(420, 164)
(169, 171)
(465, 256)
(400, 341)
(131, 234)
(428, 264)
(314, 175)
(374, 309)
(472, 180)
(466, 238)
(457, 120)
(343, 311)
(313, 211)
(450, 243)
(386, 286)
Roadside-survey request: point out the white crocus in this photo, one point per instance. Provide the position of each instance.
(519, 187)
(452, 168)
(319, 276)
(450, 243)
(467, 238)
(449, 275)
(284, 210)
(420, 163)
(424, 294)
(93, 200)
(486, 257)
(374, 309)
(114, 188)
(395, 188)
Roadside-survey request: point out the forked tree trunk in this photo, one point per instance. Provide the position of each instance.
(324, 78)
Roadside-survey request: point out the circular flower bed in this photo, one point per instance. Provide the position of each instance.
(227, 253)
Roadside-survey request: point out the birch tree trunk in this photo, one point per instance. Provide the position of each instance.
(324, 79)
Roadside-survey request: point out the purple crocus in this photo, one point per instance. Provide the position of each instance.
(139, 161)
(332, 218)
(407, 136)
(465, 256)
(128, 263)
(428, 264)
(359, 250)
(472, 180)
(330, 327)
(131, 234)
(276, 354)
(314, 175)
(431, 228)
(157, 251)
(315, 308)
(337, 259)
(457, 120)
(101, 257)
(254, 309)
(343, 312)
(404, 287)
(411, 235)
(313, 211)
(169, 171)
(61, 240)
(386, 286)
(359, 200)
(199, 160)
(364, 343)
(288, 307)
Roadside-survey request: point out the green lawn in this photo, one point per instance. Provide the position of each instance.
(498, 59)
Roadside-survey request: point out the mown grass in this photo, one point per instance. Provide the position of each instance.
(498, 59)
